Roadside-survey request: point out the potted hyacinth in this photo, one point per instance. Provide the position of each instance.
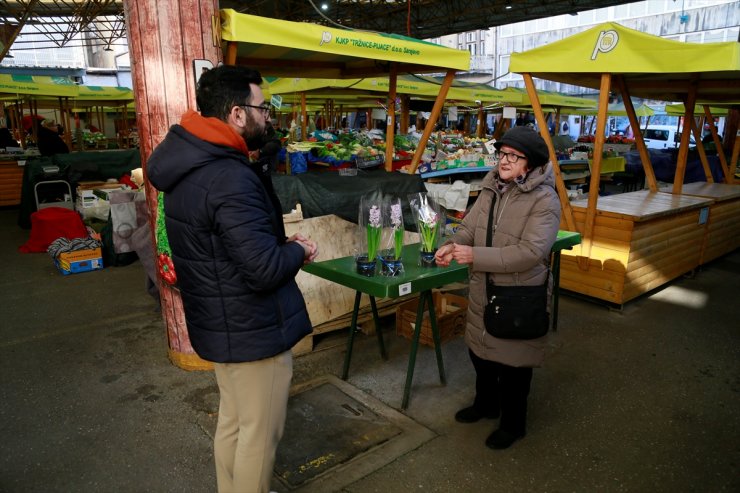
(426, 215)
(392, 264)
(371, 230)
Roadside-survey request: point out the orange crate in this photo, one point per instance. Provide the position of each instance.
(451, 311)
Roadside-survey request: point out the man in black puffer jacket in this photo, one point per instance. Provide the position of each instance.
(235, 269)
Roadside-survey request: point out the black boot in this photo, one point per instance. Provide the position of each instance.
(473, 414)
(486, 392)
(514, 384)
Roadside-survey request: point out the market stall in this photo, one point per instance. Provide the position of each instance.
(628, 246)
(289, 49)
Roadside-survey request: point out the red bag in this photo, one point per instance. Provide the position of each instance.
(51, 223)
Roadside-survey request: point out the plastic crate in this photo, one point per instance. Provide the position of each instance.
(369, 162)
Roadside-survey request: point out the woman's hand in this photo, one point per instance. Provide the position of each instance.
(462, 253)
(443, 257)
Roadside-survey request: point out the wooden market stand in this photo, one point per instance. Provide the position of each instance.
(637, 241)
(291, 49)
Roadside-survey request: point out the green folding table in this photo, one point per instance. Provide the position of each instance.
(414, 279)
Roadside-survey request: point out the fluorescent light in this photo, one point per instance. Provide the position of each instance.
(324, 6)
(508, 5)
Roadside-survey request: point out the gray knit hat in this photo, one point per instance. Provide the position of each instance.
(527, 141)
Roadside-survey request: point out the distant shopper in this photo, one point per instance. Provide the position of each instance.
(6, 139)
(525, 220)
(235, 268)
(48, 141)
(564, 128)
(265, 148)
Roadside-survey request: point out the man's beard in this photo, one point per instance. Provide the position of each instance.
(253, 128)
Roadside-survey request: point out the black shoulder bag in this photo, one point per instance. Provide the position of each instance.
(514, 312)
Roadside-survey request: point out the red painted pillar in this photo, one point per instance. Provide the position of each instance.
(165, 37)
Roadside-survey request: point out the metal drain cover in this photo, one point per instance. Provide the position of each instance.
(330, 424)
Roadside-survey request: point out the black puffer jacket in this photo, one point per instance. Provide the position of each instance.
(235, 270)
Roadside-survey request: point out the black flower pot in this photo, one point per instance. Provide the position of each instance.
(365, 267)
(391, 267)
(426, 259)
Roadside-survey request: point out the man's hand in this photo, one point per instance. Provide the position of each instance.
(310, 248)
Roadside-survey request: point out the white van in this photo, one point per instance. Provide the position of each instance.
(663, 137)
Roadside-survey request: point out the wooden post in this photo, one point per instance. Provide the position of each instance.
(481, 130)
(390, 128)
(404, 114)
(164, 37)
(647, 165)
(700, 149)
(304, 118)
(593, 187)
(501, 128)
(534, 100)
(718, 144)
(683, 149)
(436, 112)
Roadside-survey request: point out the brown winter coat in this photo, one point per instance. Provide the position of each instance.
(526, 220)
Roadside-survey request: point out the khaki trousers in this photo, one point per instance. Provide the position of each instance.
(251, 419)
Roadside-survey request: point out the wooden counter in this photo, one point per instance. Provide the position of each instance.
(723, 225)
(641, 241)
(11, 180)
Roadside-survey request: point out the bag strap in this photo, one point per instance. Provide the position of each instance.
(489, 240)
(489, 231)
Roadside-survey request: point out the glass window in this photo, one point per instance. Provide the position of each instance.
(482, 48)
(655, 7)
(471, 49)
(601, 15)
(715, 36)
(507, 30)
(693, 38)
(586, 17)
(637, 9)
(621, 12)
(503, 64)
(530, 27)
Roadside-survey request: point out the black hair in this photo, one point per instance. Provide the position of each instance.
(224, 87)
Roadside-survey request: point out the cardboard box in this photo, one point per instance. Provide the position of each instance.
(86, 198)
(450, 310)
(79, 261)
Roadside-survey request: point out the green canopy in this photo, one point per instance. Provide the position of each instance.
(421, 87)
(554, 99)
(41, 87)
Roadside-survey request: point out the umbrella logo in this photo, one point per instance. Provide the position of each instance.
(325, 37)
(606, 42)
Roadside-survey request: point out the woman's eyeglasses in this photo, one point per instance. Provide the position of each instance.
(510, 156)
(264, 109)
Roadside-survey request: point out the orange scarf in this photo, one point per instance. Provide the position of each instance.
(213, 130)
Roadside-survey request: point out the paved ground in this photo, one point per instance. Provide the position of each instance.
(644, 399)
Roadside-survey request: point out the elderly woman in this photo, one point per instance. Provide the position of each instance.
(526, 216)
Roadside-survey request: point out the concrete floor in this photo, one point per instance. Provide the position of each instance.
(643, 399)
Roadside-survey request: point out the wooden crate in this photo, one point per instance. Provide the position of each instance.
(451, 312)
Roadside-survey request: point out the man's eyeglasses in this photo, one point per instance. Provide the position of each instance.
(264, 109)
(510, 156)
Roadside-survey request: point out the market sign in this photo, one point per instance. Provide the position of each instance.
(277, 47)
